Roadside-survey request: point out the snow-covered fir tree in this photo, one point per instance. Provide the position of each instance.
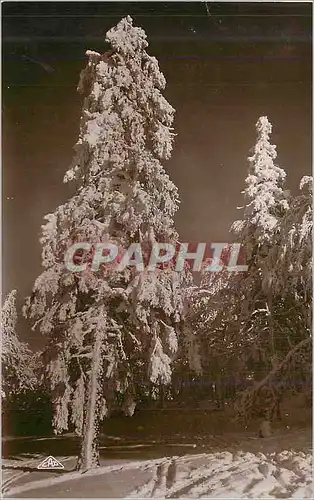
(276, 233)
(234, 311)
(289, 265)
(16, 357)
(111, 329)
(266, 202)
(265, 196)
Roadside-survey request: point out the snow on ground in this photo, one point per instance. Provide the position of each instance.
(227, 475)
(24, 469)
(287, 474)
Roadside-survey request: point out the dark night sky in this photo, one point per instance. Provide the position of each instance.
(223, 72)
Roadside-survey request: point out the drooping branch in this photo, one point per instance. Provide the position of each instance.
(276, 379)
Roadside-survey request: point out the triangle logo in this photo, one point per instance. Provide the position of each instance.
(50, 463)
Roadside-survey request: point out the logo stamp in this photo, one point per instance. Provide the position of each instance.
(50, 463)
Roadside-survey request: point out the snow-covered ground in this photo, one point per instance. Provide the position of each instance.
(287, 474)
(227, 475)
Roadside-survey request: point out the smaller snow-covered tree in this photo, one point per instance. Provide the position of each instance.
(241, 322)
(265, 196)
(16, 357)
(235, 311)
(290, 276)
(267, 201)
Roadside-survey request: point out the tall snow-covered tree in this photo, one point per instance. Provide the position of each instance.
(276, 233)
(265, 196)
(110, 329)
(266, 202)
(16, 357)
(233, 309)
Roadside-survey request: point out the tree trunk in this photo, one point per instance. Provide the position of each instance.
(219, 392)
(89, 453)
(271, 323)
(161, 396)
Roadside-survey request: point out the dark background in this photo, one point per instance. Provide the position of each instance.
(224, 69)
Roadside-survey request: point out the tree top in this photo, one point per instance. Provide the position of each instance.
(125, 38)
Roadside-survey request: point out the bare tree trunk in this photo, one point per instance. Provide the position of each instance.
(89, 453)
